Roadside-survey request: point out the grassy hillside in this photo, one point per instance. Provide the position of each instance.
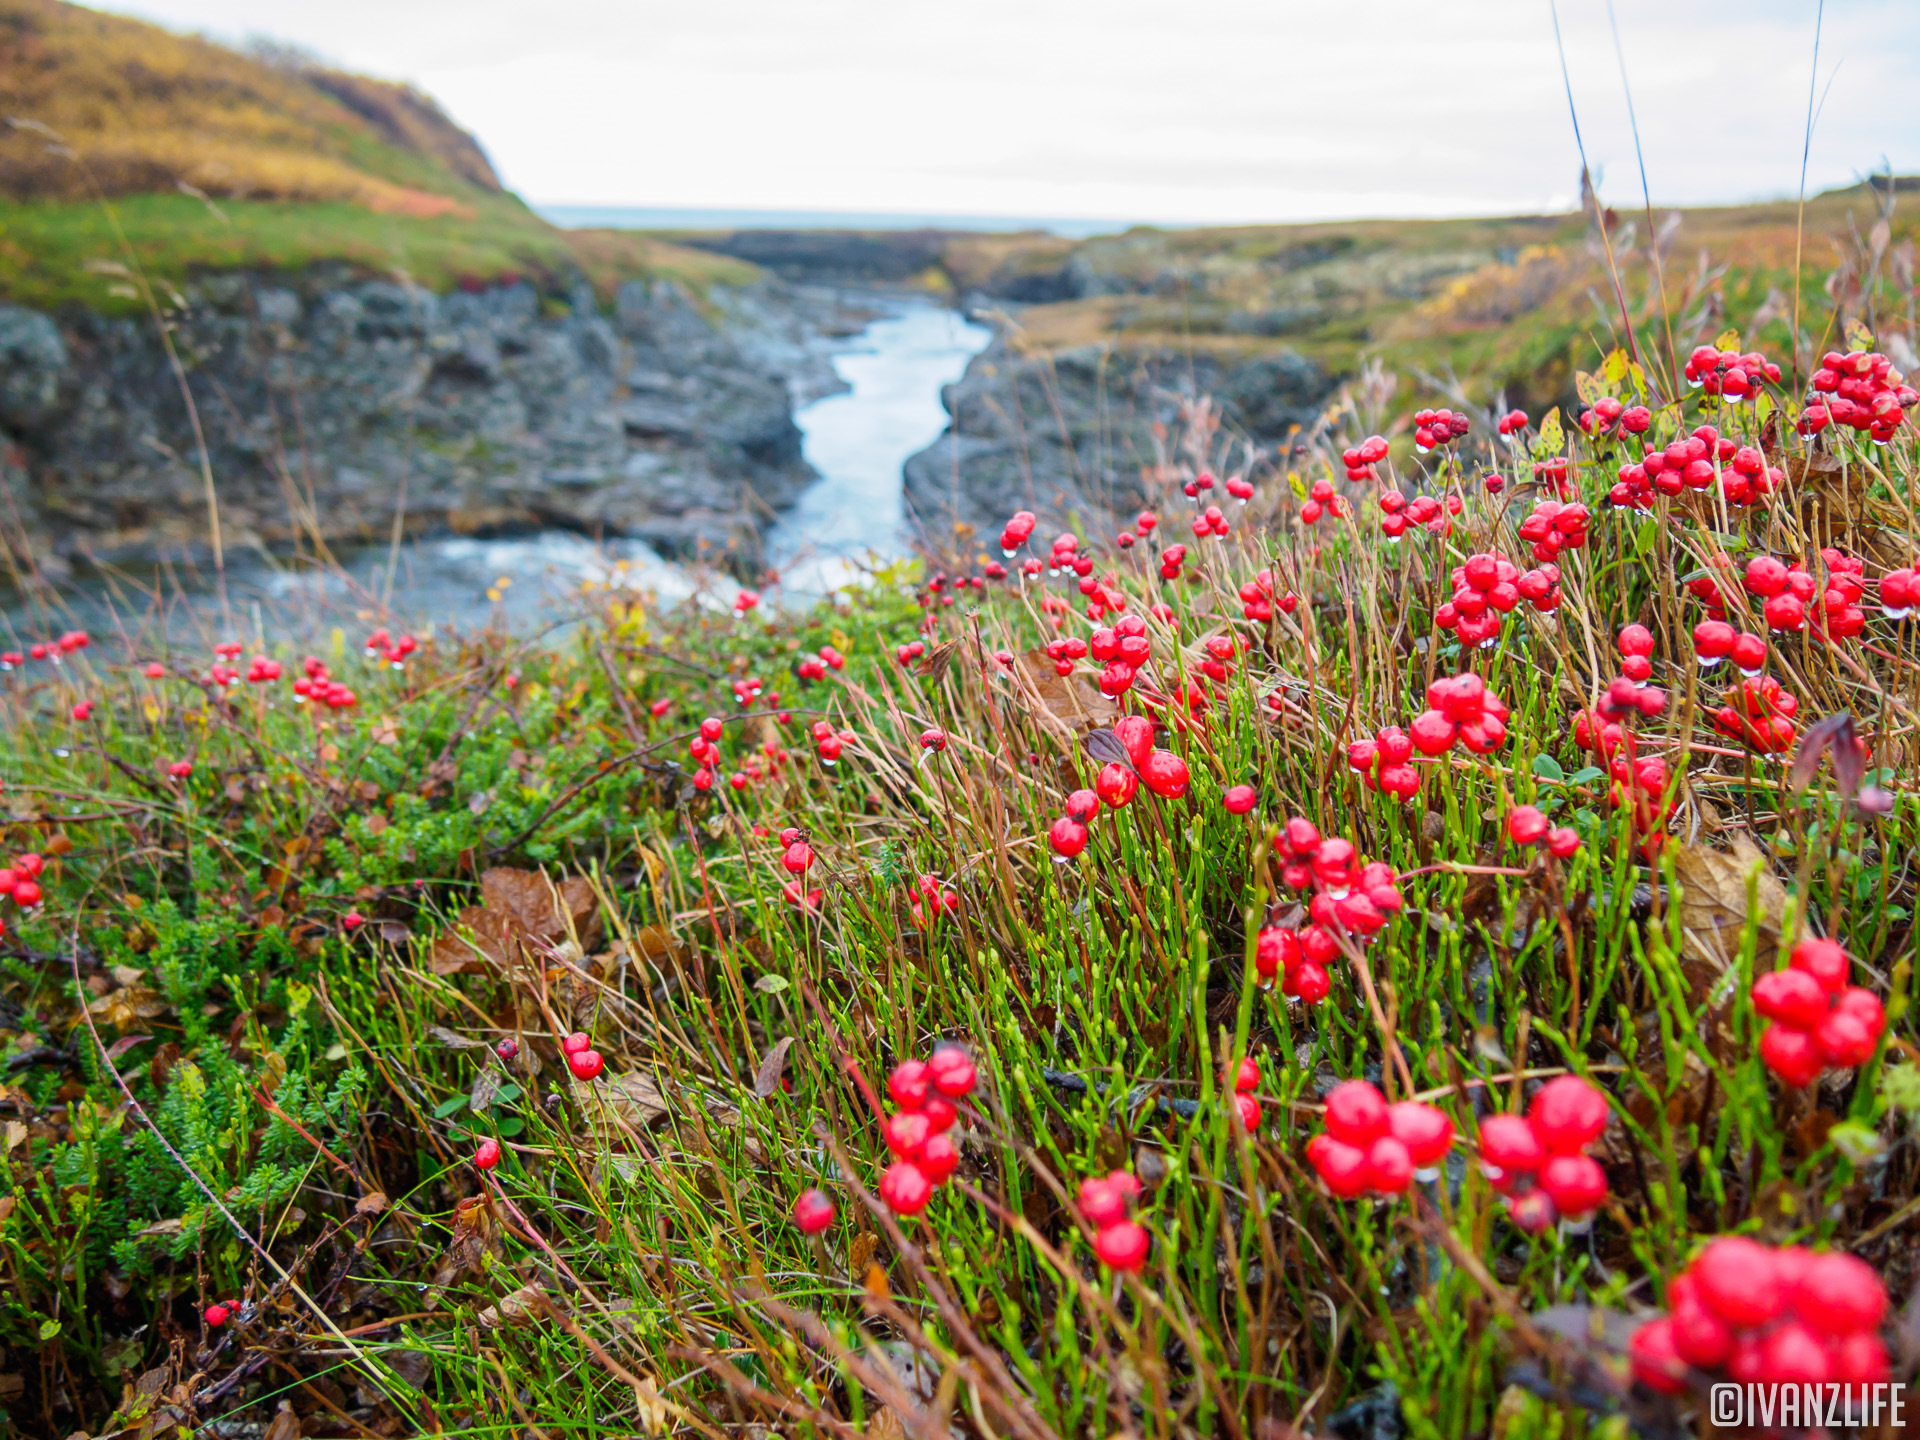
(205, 158)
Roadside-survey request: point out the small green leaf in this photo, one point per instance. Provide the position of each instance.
(506, 1094)
(1587, 776)
(770, 984)
(510, 1127)
(1859, 1143)
(1548, 768)
(449, 1107)
(49, 1329)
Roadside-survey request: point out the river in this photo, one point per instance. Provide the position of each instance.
(857, 439)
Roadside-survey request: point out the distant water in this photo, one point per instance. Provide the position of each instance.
(860, 439)
(622, 217)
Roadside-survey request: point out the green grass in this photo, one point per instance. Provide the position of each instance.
(631, 1265)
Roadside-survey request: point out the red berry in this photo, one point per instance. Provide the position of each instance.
(217, 1316)
(1791, 1054)
(1356, 1113)
(1793, 1355)
(1508, 1143)
(812, 1212)
(488, 1155)
(1249, 1112)
(1122, 1245)
(910, 1084)
(1116, 784)
(1526, 825)
(1737, 1280)
(1424, 1129)
(579, 1040)
(507, 1049)
(1246, 1075)
(1656, 1364)
(905, 1189)
(1135, 734)
(1563, 842)
(1839, 1293)
(1576, 1184)
(952, 1072)
(1567, 1114)
(1389, 1166)
(1165, 774)
(1067, 836)
(585, 1064)
(1102, 1202)
(1792, 997)
(1343, 1167)
(1239, 799)
(1823, 960)
(906, 1134)
(939, 1158)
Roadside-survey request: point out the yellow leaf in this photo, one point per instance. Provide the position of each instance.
(151, 711)
(1613, 369)
(1729, 340)
(1588, 387)
(1551, 439)
(1859, 337)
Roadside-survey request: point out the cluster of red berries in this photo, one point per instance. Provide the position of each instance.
(1860, 390)
(1371, 1147)
(1819, 1020)
(924, 1153)
(1899, 592)
(1239, 488)
(20, 881)
(385, 648)
(1787, 591)
(1538, 1162)
(1246, 1079)
(745, 600)
(1361, 458)
(51, 649)
(1528, 825)
(1695, 463)
(1511, 423)
(1400, 512)
(1016, 532)
(1607, 417)
(796, 858)
(1121, 648)
(316, 685)
(815, 667)
(1120, 1243)
(1211, 521)
(583, 1060)
(1433, 428)
(1384, 762)
(1066, 555)
(1729, 374)
(1715, 640)
(1487, 587)
(1553, 527)
(1257, 600)
(1764, 1316)
(1601, 730)
(748, 690)
(1348, 898)
(1321, 500)
(1460, 709)
(1171, 559)
(1161, 771)
(1759, 713)
(929, 899)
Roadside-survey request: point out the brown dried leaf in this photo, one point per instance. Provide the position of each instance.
(517, 907)
(472, 1238)
(453, 1040)
(1064, 704)
(766, 1079)
(486, 1085)
(860, 1252)
(875, 1284)
(285, 1425)
(633, 1096)
(371, 1203)
(526, 1303)
(1713, 903)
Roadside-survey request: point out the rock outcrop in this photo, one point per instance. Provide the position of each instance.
(1068, 438)
(332, 405)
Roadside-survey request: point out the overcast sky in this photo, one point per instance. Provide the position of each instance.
(1207, 110)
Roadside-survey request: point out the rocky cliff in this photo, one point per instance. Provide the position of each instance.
(334, 405)
(1068, 436)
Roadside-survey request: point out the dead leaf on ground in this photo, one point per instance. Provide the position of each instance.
(371, 1203)
(129, 1006)
(1066, 705)
(519, 910)
(1713, 904)
(472, 1237)
(453, 1040)
(766, 1079)
(526, 1303)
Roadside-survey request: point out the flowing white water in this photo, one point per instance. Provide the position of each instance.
(859, 440)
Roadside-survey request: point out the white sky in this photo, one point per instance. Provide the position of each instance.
(1207, 110)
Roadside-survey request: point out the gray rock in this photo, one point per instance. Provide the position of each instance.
(1068, 440)
(332, 403)
(33, 362)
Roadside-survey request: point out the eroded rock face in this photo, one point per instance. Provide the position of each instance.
(1068, 440)
(332, 404)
